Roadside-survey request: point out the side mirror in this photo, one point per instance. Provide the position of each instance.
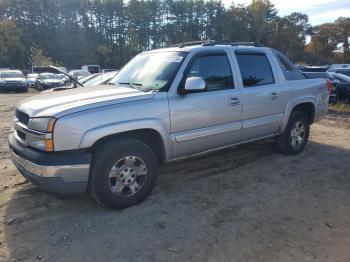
(194, 84)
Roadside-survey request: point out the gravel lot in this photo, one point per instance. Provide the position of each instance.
(246, 203)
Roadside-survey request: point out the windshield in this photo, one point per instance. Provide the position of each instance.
(48, 76)
(12, 75)
(87, 78)
(150, 70)
(81, 73)
(32, 75)
(101, 79)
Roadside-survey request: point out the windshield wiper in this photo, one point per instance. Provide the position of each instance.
(133, 85)
(137, 86)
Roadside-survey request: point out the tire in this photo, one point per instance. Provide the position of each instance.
(347, 100)
(289, 142)
(114, 165)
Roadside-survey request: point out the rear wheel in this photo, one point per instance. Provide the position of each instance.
(123, 173)
(347, 100)
(295, 136)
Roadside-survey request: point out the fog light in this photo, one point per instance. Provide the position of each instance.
(41, 144)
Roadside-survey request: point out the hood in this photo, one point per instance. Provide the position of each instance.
(52, 81)
(70, 101)
(14, 80)
(55, 89)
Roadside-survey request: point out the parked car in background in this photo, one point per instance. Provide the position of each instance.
(79, 73)
(92, 80)
(339, 66)
(101, 79)
(31, 78)
(164, 104)
(48, 80)
(325, 75)
(93, 69)
(344, 71)
(313, 68)
(343, 87)
(13, 81)
(64, 78)
(108, 70)
(84, 79)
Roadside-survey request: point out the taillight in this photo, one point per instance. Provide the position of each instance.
(329, 86)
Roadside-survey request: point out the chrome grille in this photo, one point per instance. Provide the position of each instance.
(21, 135)
(22, 117)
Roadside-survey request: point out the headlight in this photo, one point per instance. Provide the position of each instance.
(42, 124)
(43, 140)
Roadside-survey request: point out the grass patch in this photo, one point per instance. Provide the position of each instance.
(339, 108)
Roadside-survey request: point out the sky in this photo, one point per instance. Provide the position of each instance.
(319, 11)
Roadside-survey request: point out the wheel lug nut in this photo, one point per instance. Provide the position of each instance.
(129, 181)
(121, 175)
(133, 176)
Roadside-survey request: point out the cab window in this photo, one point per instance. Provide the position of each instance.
(215, 69)
(255, 69)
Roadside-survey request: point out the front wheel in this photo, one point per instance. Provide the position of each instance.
(123, 173)
(296, 135)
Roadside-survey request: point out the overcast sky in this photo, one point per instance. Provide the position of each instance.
(319, 11)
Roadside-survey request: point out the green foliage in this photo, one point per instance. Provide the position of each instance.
(37, 57)
(11, 47)
(110, 32)
(340, 107)
(343, 34)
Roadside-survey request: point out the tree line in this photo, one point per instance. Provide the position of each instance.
(110, 32)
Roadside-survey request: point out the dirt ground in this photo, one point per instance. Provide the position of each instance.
(246, 203)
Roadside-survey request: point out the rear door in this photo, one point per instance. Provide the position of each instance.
(262, 100)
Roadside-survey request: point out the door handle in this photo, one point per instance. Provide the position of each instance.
(274, 96)
(233, 101)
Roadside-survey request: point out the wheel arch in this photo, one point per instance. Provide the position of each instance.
(153, 134)
(306, 105)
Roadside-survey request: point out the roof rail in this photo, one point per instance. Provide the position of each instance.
(246, 44)
(202, 42)
(213, 43)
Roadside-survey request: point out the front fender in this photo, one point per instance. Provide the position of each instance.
(292, 104)
(93, 135)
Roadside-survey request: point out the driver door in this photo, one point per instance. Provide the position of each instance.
(209, 119)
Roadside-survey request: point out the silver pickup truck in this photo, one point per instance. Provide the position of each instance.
(163, 105)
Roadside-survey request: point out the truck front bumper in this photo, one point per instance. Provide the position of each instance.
(56, 172)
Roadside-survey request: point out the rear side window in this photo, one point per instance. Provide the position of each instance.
(290, 71)
(255, 69)
(286, 66)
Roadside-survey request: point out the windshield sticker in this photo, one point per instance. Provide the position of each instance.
(166, 59)
(175, 59)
